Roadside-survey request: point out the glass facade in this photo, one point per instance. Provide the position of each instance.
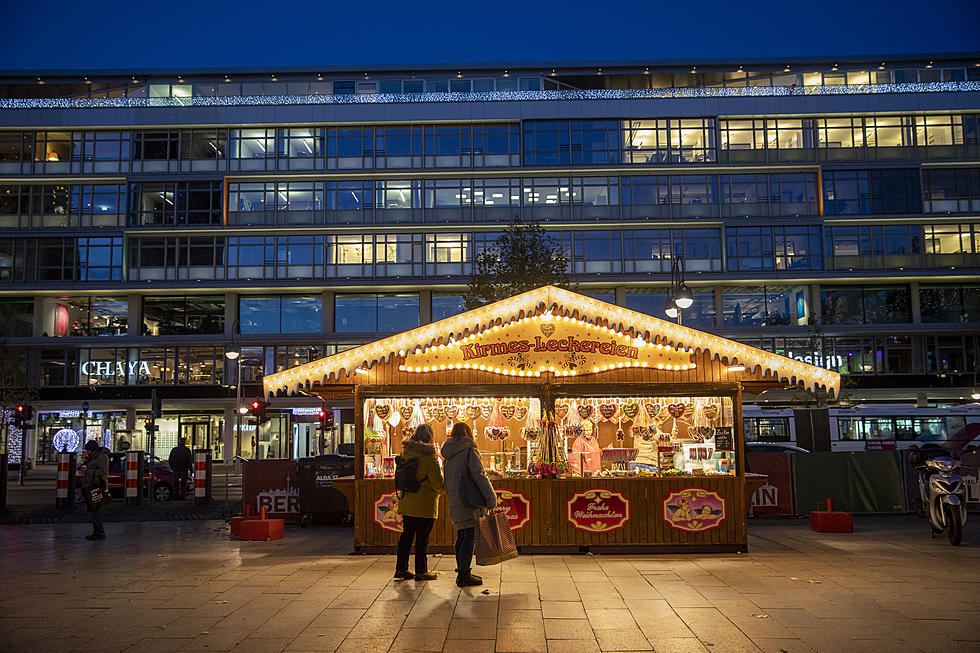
(837, 233)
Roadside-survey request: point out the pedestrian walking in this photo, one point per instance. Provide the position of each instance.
(470, 496)
(181, 463)
(96, 476)
(420, 508)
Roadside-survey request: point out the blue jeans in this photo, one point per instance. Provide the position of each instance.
(98, 527)
(465, 541)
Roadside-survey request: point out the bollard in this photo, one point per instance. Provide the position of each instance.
(65, 493)
(202, 476)
(134, 476)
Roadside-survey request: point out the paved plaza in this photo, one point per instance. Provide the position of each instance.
(185, 586)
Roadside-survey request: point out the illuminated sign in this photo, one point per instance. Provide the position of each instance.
(562, 346)
(114, 368)
(834, 361)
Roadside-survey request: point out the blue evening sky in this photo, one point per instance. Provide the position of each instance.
(188, 34)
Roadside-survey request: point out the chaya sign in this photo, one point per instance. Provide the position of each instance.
(515, 507)
(562, 346)
(386, 513)
(694, 509)
(598, 510)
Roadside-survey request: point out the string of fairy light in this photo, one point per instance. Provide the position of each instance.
(548, 302)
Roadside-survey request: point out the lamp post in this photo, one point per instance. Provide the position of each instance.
(234, 353)
(680, 296)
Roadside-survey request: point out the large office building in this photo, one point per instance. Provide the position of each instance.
(825, 209)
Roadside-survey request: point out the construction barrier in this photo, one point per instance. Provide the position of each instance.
(3, 480)
(202, 475)
(775, 497)
(134, 478)
(859, 482)
(65, 492)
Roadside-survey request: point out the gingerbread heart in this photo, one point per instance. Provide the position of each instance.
(486, 410)
(688, 410)
(547, 329)
(382, 411)
(676, 410)
(608, 410)
(702, 433)
(630, 410)
(520, 412)
(561, 411)
(585, 411)
(438, 413)
(652, 409)
(472, 411)
(711, 411)
(508, 411)
(452, 412)
(406, 412)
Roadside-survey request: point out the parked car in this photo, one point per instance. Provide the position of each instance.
(773, 447)
(163, 479)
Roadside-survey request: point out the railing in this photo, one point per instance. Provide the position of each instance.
(489, 96)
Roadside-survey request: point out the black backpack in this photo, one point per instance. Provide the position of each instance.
(405, 471)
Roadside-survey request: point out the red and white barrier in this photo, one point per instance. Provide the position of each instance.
(200, 476)
(64, 463)
(132, 476)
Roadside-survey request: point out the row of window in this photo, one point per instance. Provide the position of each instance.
(467, 82)
(207, 365)
(181, 203)
(408, 255)
(741, 306)
(545, 143)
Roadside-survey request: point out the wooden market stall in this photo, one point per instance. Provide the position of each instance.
(602, 429)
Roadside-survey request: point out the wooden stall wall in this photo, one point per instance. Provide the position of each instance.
(549, 528)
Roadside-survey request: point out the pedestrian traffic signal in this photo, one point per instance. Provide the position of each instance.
(23, 416)
(156, 405)
(257, 408)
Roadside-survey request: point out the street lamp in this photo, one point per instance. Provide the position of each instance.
(234, 353)
(680, 296)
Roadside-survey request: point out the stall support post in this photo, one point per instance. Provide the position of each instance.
(65, 492)
(134, 474)
(738, 430)
(202, 476)
(358, 434)
(3, 480)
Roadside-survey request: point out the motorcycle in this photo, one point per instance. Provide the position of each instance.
(942, 494)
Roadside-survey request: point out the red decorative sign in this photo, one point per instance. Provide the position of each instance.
(386, 513)
(515, 507)
(598, 510)
(694, 509)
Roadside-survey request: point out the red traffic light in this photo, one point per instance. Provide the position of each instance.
(322, 414)
(19, 409)
(256, 404)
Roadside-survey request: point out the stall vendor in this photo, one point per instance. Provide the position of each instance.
(586, 455)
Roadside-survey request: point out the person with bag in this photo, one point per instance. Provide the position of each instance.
(96, 480)
(418, 484)
(470, 496)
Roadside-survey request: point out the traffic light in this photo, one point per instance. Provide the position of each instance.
(156, 406)
(326, 418)
(23, 416)
(257, 408)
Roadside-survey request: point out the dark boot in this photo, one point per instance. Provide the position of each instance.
(404, 575)
(466, 579)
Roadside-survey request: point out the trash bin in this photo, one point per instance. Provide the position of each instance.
(319, 501)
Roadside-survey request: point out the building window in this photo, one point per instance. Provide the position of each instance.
(774, 248)
(375, 313)
(932, 131)
(280, 314)
(571, 142)
(652, 250)
(952, 190)
(18, 317)
(84, 316)
(766, 429)
(701, 314)
(446, 305)
(685, 140)
(765, 305)
(176, 203)
(862, 192)
(949, 303)
(58, 368)
(183, 315)
(865, 304)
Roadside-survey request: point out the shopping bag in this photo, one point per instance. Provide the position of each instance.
(494, 540)
(97, 497)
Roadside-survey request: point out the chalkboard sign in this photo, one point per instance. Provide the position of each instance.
(724, 441)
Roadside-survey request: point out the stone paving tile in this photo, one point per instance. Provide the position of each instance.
(291, 596)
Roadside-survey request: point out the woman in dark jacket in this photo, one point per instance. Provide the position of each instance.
(96, 475)
(419, 509)
(462, 460)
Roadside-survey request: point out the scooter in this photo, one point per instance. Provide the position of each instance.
(942, 494)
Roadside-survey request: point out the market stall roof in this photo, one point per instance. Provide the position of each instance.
(556, 303)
